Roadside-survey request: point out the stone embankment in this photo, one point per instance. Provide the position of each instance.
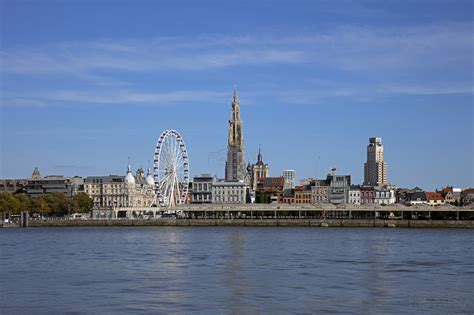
(256, 222)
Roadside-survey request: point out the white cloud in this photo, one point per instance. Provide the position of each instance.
(346, 48)
(123, 97)
(437, 59)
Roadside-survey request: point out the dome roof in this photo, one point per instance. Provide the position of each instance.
(129, 179)
(149, 178)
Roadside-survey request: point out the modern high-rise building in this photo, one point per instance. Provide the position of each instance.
(375, 169)
(289, 176)
(235, 165)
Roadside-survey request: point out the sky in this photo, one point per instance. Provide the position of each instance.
(86, 86)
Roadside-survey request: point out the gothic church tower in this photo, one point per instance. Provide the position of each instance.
(235, 165)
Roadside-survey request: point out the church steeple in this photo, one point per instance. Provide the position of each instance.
(259, 156)
(235, 165)
(36, 173)
(235, 124)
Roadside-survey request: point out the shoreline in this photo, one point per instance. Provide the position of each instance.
(255, 223)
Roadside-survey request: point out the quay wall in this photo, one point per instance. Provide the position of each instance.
(255, 222)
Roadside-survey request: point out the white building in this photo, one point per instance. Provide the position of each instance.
(354, 195)
(375, 169)
(384, 196)
(121, 191)
(290, 177)
(229, 192)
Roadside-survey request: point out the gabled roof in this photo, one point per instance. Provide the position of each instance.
(433, 196)
(36, 173)
(447, 189)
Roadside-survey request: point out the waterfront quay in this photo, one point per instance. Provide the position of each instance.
(257, 223)
(275, 215)
(293, 211)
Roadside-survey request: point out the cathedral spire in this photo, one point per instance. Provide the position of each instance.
(235, 165)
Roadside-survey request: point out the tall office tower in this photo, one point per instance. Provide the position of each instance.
(289, 176)
(375, 169)
(235, 165)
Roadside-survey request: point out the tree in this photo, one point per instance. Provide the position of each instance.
(58, 203)
(39, 204)
(24, 200)
(84, 203)
(8, 203)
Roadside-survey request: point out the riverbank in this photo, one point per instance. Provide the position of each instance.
(256, 222)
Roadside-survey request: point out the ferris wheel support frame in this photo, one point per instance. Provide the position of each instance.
(171, 169)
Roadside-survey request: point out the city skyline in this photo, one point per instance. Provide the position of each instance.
(80, 102)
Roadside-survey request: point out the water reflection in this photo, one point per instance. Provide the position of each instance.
(230, 270)
(234, 273)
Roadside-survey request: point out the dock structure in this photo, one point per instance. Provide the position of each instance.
(293, 211)
(306, 215)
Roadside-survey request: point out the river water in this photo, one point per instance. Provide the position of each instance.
(236, 270)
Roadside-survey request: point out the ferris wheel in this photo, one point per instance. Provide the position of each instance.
(171, 169)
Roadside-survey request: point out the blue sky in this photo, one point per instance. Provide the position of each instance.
(86, 84)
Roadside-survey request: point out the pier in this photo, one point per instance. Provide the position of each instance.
(273, 215)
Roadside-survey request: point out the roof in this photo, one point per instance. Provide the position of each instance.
(288, 193)
(446, 190)
(36, 173)
(433, 196)
(203, 178)
(229, 183)
(266, 182)
(417, 195)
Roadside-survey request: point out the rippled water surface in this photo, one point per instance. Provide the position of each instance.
(232, 269)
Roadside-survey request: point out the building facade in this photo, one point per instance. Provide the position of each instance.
(384, 196)
(271, 184)
(338, 187)
(302, 195)
(467, 196)
(13, 185)
(115, 191)
(106, 191)
(375, 169)
(320, 191)
(288, 196)
(76, 185)
(290, 178)
(415, 198)
(367, 195)
(434, 199)
(257, 171)
(235, 164)
(451, 195)
(354, 195)
(202, 188)
(228, 192)
(403, 195)
(38, 185)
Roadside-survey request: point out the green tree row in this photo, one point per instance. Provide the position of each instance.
(56, 204)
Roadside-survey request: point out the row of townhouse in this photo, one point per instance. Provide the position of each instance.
(447, 195)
